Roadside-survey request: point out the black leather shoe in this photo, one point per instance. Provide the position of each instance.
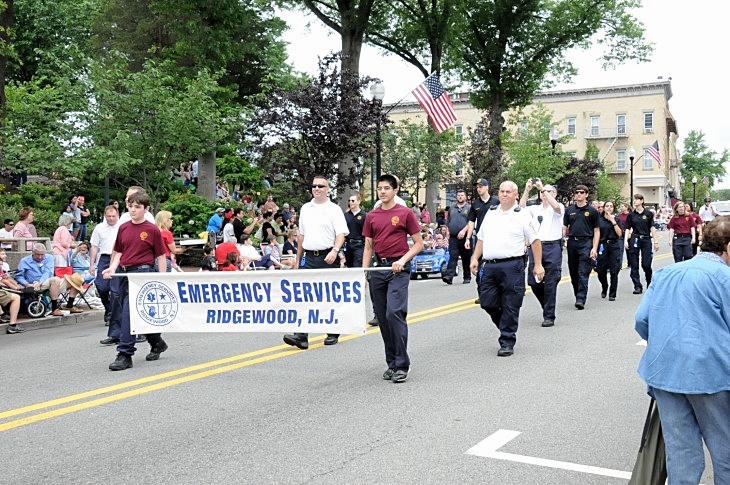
(156, 351)
(580, 305)
(295, 341)
(109, 341)
(140, 338)
(638, 291)
(123, 361)
(548, 323)
(446, 280)
(467, 281)
(477, 302)
(611, 298)
(399, 376)
(331, 340)
(505, 352)
(106, 318)
(388, 374)
(604, 293)
(374, 321)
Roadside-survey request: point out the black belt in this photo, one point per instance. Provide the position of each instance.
(386, 260)
(578, 238)
(355, 239)
(557, 241)
(133, 269)
(607, 241)
(317, 253)
(107, 255)
(493, 261)
(683, 235)
(639, 236)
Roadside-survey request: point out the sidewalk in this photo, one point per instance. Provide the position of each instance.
(51, 321)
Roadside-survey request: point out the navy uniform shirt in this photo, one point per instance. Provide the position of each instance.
(607, 230)
(640, 222)
(581, 220)
(354, 224)
(479, 208)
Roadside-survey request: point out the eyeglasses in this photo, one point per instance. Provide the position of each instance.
(318, 186)
(10, 224)
(580, 192)
(353, 201)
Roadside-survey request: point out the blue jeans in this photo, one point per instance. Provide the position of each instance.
(687, 419)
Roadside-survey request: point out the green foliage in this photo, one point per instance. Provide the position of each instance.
(721, 194)
(45, 200)
(608, 189)
(190, 213)
(698, 160)
(235, 170)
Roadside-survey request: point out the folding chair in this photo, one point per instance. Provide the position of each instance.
(89, 282)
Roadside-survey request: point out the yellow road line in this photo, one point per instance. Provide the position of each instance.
(214, 368)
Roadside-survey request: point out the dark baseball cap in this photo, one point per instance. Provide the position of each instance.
(482, 181)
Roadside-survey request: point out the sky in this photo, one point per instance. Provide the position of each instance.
(690, 41)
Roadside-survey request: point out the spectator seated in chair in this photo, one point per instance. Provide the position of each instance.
(274, 252)
(36, 271)
(250, 257)
(232, 262)
(12, 302)
(80, 259)
(208, 262)
(223, 249)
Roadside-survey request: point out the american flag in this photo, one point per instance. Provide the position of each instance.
(436, 103)
(653, 151)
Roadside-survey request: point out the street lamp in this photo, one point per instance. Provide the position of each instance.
(694, 190)
(632, 155)
(554, 135)
(377, 90)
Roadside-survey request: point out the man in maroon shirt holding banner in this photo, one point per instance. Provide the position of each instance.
(139, 243)
(386, 232)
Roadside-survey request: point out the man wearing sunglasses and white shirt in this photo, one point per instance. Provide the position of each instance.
(322, 231)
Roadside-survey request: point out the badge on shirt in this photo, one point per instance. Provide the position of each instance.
(643, 217)
(359, 218)
(586, 213)
(394, 220)
(143, 236)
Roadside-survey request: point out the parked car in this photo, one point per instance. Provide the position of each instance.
(430, 261)
(722, 207)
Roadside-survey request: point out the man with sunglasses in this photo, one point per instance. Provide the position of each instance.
(581, 228)
(322, 232)
(7, 232)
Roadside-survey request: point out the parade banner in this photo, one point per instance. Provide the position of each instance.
(316, 301)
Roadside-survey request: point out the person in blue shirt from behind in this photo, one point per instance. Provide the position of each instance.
(685, 319)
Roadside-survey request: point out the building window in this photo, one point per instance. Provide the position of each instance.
(571, 127)
(648, 122)
(458, 131)
(620, 160)
(621, 125)
(595, 125)
(458, 166)
(647, 160)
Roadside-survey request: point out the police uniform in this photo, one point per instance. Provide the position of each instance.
(502, 281)
(610, 250)
(355, 241)
(640, 243)
(581, 222)
(549, 225)
(458, 220)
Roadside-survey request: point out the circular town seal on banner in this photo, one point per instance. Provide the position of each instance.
(156, 303)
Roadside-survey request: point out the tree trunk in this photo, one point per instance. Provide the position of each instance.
(206, 177)
(351, 48)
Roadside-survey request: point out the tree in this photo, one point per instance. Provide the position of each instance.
(508, 48)
(477, 154)
(698, 160)
(308, 130)
(407, 150)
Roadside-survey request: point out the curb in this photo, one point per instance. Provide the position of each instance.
(51, 321)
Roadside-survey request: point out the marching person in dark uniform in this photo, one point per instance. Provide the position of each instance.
(322, 231)
(458, 224)
(581, 227)
(610, 251)
(386, 232)
(638, 236)
(478, 208)
(548, 218)
(355, 218)
(682, 233)
(501, 245)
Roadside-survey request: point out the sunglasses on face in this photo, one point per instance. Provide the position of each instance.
(318, 186)
(579, 192)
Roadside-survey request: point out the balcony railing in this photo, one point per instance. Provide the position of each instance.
(598, 133)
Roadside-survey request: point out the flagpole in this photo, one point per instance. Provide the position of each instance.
(409, 93)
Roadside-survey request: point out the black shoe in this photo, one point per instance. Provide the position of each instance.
(106, 324)
(447, 280)
(467, 281)
(331, 340)
(106, 318)
(505, 352)
(374, 321)
(295, 341)
(140, 338)
(399, 376)
(611, 298)
(638, 291)
(580, 305)
(477, 302)
(4, 318)
(604, 292)
(388, 374)
(123, 361)
(15, 329)
(548, 323)
(156, 351)
(109, 341)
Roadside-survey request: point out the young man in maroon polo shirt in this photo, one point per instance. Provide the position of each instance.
(139, 243)
(386, 232)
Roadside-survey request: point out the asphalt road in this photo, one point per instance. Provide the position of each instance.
(244, 408)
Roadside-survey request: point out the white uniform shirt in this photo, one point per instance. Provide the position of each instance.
(706, 213)
(320, 224)
(550, 227)
(503, 233)
(104, 237)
